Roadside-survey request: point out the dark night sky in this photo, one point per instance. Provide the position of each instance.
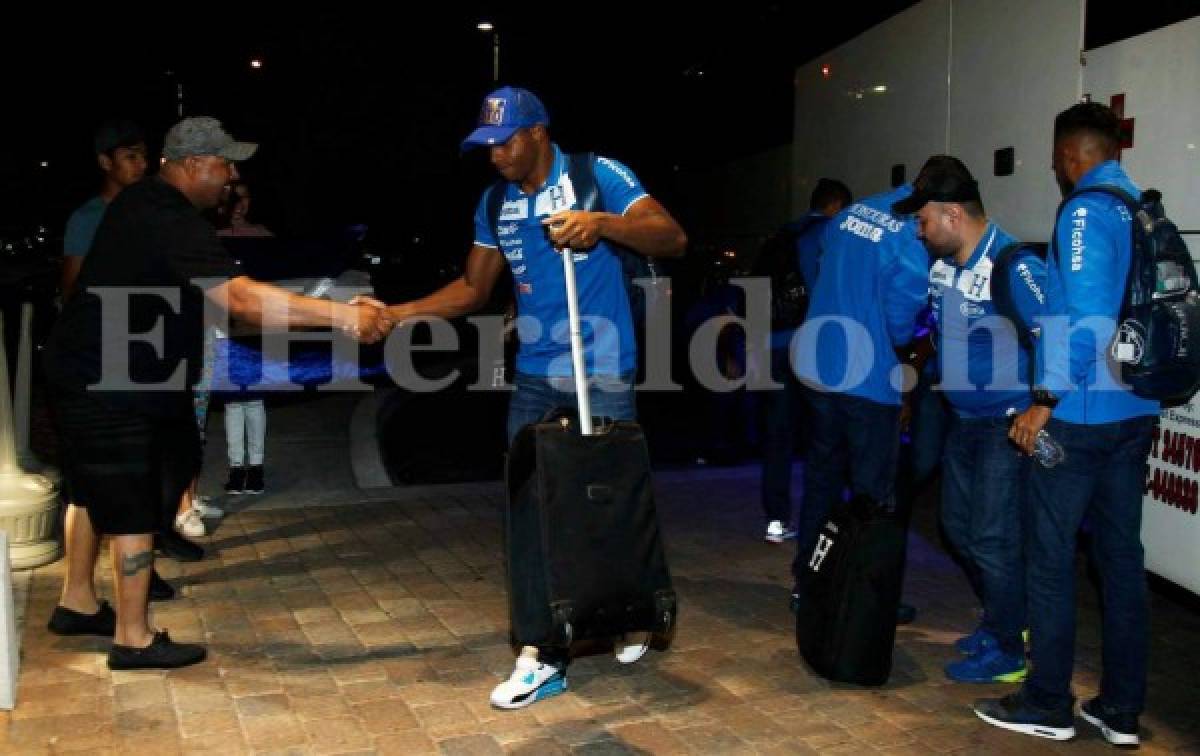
(360, 119)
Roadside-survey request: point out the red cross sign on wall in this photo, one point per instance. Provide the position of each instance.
(1117, 103)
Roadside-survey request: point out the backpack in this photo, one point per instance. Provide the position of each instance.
(581, 170)
(849, 587)
(1161, 309)
(777, 260)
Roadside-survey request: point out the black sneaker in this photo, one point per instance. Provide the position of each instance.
(1014, 713)
(254, 480)
(160, 590)
(171, 544)
(1118, 728)
(66, 621)
(237, 481)
(162, 653)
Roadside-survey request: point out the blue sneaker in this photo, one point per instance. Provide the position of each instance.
(1014, 713)
(991, 665)
(531, 681)
(975, 642)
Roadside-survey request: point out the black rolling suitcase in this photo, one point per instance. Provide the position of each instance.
(585, 558)
(846, 623)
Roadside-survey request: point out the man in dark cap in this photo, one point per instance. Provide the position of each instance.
(985, 375)
(121, 154)
(121, 362)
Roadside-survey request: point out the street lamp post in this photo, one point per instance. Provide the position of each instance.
(174, 77)
(488, 26)
(496, 57)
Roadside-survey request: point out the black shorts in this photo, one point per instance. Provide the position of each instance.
(127, 469)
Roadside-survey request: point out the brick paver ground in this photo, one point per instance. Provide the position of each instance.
(379, 626)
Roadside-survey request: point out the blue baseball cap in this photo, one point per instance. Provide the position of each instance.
(503, 112)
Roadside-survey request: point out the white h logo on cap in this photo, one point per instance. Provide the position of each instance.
(493, 111)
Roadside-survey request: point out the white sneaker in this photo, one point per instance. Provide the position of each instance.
(189, 524)
(631, 647)
(205, 508)
(531, 681)
(777, 533)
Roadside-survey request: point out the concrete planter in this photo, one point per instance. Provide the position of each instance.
(29, 506)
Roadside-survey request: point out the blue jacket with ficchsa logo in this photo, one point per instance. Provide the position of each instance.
(1087, 279)
(873, 281)
(984, 369)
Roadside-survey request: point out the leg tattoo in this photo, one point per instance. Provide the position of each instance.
(135, 563)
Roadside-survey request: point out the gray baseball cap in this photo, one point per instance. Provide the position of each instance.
(203, 135)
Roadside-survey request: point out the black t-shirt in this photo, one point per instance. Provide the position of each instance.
(151, 237)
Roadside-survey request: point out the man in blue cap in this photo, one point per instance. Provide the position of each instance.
(526, 227)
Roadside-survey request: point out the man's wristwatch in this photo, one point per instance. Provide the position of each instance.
(1043, 398)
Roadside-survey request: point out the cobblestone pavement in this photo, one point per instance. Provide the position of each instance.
(377, 624)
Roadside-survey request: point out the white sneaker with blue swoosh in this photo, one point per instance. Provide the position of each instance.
(531, 681)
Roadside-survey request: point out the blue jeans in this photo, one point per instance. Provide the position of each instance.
(983, 477)
(782, 410)
(535, 395)
(1102, 478)
(931, 419)
(851, 440)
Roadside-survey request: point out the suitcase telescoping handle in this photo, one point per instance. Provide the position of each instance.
(578, 364)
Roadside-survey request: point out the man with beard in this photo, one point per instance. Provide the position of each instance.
(985, 377)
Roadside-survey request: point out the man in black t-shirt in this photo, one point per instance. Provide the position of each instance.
(121, 362)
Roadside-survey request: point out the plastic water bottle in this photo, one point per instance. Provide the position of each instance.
(1046, 450)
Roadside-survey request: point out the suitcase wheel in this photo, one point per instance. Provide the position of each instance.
(666, 608)
(562, 612)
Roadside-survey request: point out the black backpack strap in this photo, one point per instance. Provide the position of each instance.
(583, 179)
(582, 172)
(1001, 287)
(581, 169)
(1002, 297)
(494, 203)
